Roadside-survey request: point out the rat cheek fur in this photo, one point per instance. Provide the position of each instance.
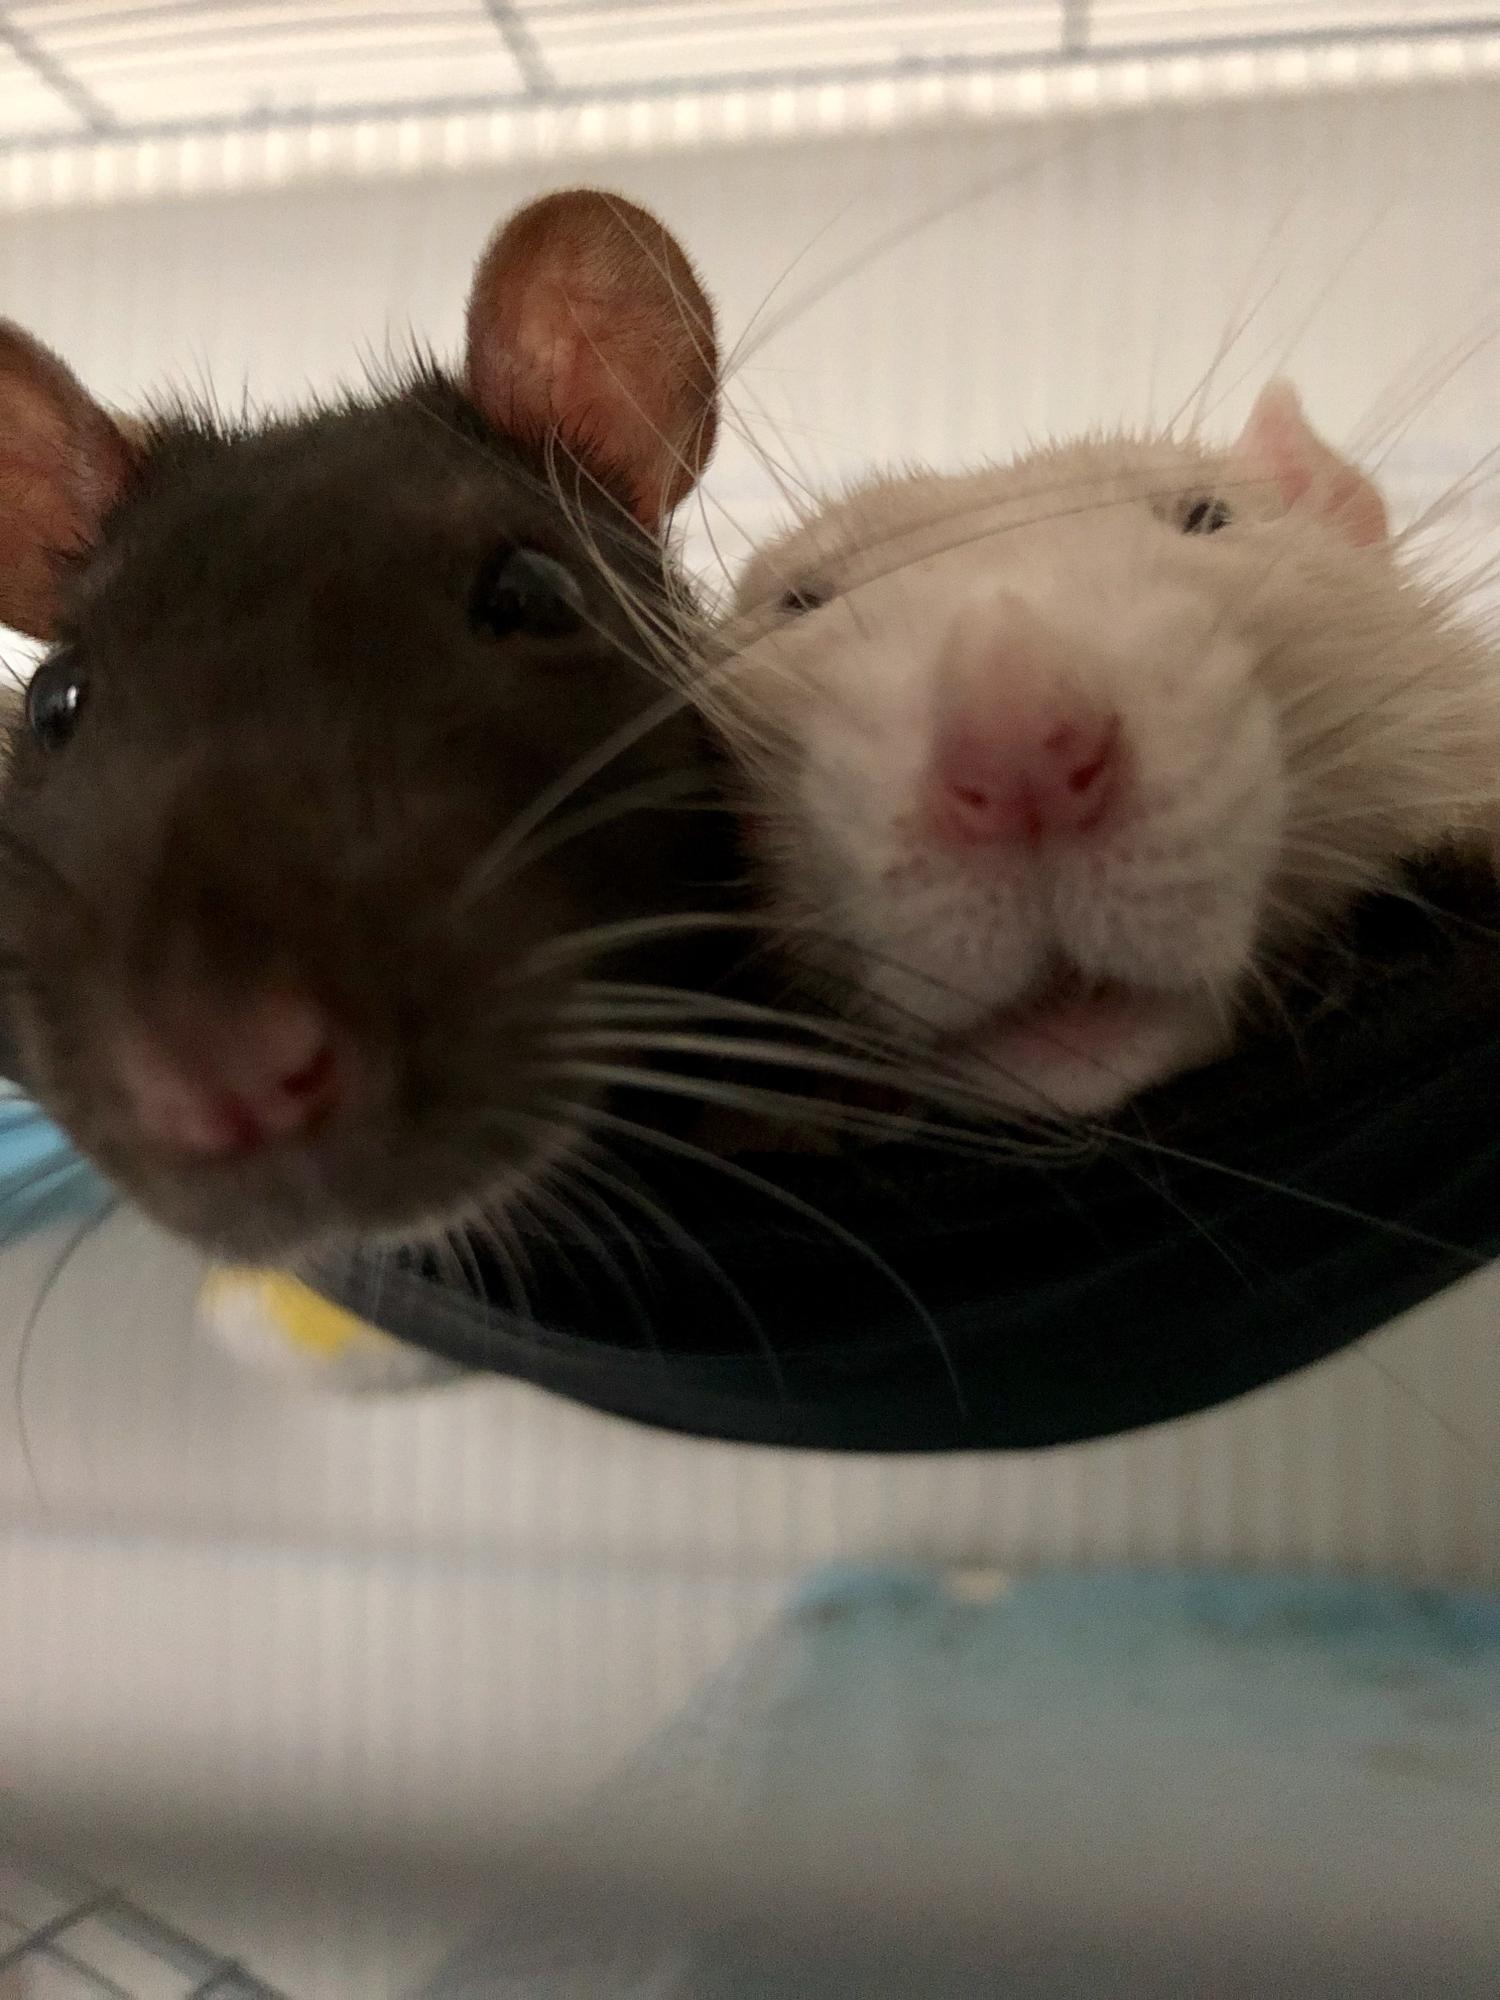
(851, 802)
(1190, 880)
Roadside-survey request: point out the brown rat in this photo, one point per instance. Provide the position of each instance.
(349, 723)
(1051, 766)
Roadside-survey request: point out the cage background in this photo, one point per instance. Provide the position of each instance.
(66, 1937)
(229, 1612)
(117, 99)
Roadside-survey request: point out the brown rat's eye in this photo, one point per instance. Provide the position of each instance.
(804, 597)
(1205, 517)
(55, 697)
(522, 591)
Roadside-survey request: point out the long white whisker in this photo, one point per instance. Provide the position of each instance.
(735, 1171)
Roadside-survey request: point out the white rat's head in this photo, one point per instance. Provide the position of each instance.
(1045, 761)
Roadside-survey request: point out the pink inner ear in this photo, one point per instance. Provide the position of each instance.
(1355, 507)
(560, 375)
(577, 367)
(1307, 472)
(63, 465)
(587, 325)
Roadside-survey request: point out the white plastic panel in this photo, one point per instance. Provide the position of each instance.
(221, 1596)
(121, 68)
(154, 65)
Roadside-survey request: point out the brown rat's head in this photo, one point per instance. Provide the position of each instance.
(348, 725)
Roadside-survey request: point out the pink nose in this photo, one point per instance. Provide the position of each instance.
(1022, 781)
(235, 1079)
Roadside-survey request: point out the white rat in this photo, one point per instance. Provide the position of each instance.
(1050, 764)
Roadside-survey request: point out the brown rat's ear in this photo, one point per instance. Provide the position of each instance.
(63, 464)
(1306, 471)
(587, 324)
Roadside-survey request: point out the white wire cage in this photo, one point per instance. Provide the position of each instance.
(79, 67)
(227, 1609)
(102, 101)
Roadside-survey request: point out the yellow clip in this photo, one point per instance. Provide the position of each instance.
(305, 1318)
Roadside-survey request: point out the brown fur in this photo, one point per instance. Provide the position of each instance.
(304, 752)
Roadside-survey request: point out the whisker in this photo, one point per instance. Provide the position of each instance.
(811, 1109)
(674, 791)
(600, 939)
(564, 1202)
(745, 1177)
(71, 1246)
(494, 1228)
(673, 1231)
(1468, 1445)
(483, 875)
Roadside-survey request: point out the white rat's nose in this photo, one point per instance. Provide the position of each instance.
(1047, 776)
(1019, 756)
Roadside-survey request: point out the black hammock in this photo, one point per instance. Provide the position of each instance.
(1238, 1225)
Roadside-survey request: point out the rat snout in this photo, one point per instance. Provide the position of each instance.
(216, 1078)
(220, 1031)
(1019, 754)
(1050, 777)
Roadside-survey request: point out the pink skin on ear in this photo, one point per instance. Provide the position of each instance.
(1305, 470)
(588, 328)
(63, 465)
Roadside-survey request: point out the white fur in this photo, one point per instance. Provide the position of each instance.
(1300, 714)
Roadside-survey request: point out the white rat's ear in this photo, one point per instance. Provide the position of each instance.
(587, 326)
(63, 465)
(1308, 472)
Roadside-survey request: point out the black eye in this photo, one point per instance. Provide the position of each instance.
(1205, 517)
(804, 597)
(522, 591)
(55, 697)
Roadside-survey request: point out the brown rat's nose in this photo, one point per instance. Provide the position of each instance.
(233, 1078)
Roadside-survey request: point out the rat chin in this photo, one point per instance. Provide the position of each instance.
(1081, 1050)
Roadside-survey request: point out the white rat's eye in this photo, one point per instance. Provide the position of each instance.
(804, 597)
(1205, 517)
(54, 700)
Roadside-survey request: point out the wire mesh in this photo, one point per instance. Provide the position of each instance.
(74, 68)
(444, 1688)
(66, 1937)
